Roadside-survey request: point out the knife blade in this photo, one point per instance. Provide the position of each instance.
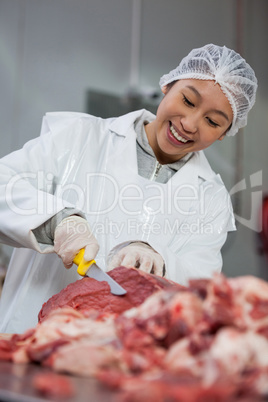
(92, 270)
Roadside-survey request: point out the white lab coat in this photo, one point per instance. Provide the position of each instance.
(89, 163)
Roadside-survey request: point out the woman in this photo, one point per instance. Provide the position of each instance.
(136, 190)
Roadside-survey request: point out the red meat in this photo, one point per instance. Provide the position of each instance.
(87, 294)
(160, 341)
(53, 385)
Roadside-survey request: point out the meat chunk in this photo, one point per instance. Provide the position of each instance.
(53, 385)
(87, 293)
(160, 341)
(164, 317)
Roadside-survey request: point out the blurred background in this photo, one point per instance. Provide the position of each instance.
(105, 57)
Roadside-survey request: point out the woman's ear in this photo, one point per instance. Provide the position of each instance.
(167, 87)
(222, 137)
(164, 89)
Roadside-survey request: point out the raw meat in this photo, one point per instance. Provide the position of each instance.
(53, 385)
(87, 293)
(203, 343)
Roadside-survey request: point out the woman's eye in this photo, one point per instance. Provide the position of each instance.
(212, 123)
(187, 102)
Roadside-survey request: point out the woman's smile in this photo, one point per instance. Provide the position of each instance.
(175, 136)
(192, 115)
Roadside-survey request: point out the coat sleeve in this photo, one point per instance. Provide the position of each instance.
(28, 178)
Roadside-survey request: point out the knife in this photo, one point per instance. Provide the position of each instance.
(91, 269)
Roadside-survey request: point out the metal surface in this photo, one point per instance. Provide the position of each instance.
(16, 385)
(98, 274)
(91, 269)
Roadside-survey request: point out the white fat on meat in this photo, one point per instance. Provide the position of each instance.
(86, 358)
(180, 360)
(237, 351)
(181, 305)
(250, 291)
(70, 324)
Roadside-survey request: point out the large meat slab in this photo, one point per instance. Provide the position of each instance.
(207, 342)
(87, 294)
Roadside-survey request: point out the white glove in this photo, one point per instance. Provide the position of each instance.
(138, 255)
(71, 235)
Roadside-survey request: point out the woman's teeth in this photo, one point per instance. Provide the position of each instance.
(177, 136)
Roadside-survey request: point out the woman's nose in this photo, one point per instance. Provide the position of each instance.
(189, 123)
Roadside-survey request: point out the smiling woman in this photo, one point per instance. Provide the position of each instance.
(147, 177)
(192, 115)
(225, 67)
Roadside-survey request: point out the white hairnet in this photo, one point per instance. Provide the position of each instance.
(227, 68)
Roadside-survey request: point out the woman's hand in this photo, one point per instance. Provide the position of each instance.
(71, 235)
(139, 255)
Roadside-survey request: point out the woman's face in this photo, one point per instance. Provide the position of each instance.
(192, 115)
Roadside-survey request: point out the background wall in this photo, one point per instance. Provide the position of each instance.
(52, 52)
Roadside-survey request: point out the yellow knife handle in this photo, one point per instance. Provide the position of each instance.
(82, 265)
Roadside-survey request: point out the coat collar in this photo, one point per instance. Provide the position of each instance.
(196, 168)
(124, 124)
